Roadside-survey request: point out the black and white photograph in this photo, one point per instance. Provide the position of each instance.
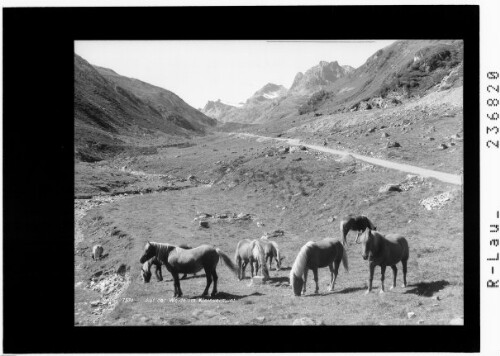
(249, 178)
(292, 182)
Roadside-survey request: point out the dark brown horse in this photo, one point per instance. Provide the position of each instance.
(146, 267)
(357, 223)
(186, 247)
(385, 251)
(178, 260)
(313, 255)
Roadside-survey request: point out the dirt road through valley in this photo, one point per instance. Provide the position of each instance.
(444, 177)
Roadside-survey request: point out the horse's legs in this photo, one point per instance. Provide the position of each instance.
(159, 277)
(185, 276)
(394, 274)
(305, 280)
(315, 273)
(370, 281)
(243, 268)
(382, 277)
(335, 272)
(214, 276)
(208, 273)
(251, 268)
(177, 285)
(239, 269)
(404, 272)
(256, 268)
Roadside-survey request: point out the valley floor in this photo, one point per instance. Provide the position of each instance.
(160, 197)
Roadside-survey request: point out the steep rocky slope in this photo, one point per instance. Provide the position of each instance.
(112, 112)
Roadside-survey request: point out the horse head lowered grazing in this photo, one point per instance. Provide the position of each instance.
(146, 269)
(250, 251)
(272, 251)
(384, 251)
(178, 260)
(313, 255)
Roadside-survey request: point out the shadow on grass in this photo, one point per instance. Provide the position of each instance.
(278, 279)
(285, 268)
(227, 296)
(427, 289)
(350, 290)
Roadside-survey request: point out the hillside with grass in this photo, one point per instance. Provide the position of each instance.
(112, 113)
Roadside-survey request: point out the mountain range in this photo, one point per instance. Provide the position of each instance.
(400, 70)
(113, 112)
(110, 110)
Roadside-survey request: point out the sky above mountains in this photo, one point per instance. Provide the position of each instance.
(199, 71)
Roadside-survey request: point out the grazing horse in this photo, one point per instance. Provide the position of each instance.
(271, 251)
(146, 267)
(313, 255)
(178, 260)
(250, 251)
(385, 251)
(357, 223)
(146, 270)
(97, 252)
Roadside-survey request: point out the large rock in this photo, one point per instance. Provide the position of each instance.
(391, 144)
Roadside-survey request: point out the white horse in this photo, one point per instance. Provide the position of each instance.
(97, 252)
(250, 251)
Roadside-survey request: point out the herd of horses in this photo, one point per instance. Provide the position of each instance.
(379, 250)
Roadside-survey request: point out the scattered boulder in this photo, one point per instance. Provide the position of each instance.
(372, 129)
(260, 319)
(275, 233)
(191, 177)
(122, 269)
(411, 315)
(442, 146)
(384, 134)
(258, 280)
(297, 159)
(437, 201)
(390, 188)
(393, 144)
(347, 159)
(431, 138)
(204, 224)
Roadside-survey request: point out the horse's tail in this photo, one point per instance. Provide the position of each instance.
(262, 258)
(227, 261)
(345, 261)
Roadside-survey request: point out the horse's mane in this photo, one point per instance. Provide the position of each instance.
(300, 262)
(162, 250)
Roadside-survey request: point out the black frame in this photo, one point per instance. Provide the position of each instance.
(39, 173)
